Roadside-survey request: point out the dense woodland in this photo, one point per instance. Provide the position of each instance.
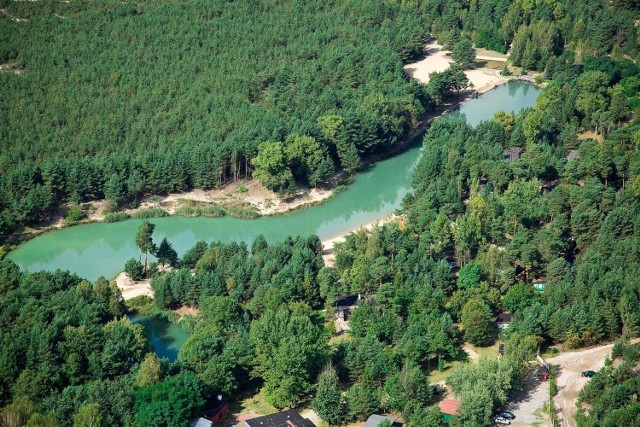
(474, 235)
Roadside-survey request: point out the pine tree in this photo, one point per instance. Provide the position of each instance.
(166, 254)
(144, 240)
(328, 402)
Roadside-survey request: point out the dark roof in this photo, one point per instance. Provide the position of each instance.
(288, 418)
(449, 406)
(352, 300)
(348, 301)
(213, 406)
(504, 318)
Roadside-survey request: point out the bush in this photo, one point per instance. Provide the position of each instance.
(109, 206)
(134, 269)
(116, 217)
(74, 214)
(150, 213)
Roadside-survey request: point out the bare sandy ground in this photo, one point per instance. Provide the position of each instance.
(570, 380)
(247, 193)
(437, 59)
(328, 244)
(131, 289)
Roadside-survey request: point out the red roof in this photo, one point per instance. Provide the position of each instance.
(449, 406)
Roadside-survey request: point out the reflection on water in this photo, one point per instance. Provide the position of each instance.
(166, 338)
(99, 249)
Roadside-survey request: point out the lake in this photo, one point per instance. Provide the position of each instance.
(101, 249)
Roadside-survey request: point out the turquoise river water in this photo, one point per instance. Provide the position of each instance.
(101, 249)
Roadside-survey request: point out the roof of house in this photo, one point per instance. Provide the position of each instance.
(504, 317)
(200, 422)
(375, 420)
(352, 300)
(449, 406)
(288, 418)
(347, 301)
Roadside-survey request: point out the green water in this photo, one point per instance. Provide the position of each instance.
(166, 338)
(99, 249)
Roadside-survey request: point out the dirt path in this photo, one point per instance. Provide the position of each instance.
(491, 58)
(570, 381)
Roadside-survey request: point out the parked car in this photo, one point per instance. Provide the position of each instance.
(588, 374)
(502, 421)
(507, 415)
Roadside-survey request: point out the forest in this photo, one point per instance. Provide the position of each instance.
(474, 235)
(119, 99)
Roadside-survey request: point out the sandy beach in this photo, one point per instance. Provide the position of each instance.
(438, 60)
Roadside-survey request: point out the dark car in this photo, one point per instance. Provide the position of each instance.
(508, 415)
(588, 374)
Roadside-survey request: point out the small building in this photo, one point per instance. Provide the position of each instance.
(539, 284)
(449, 408)
(200, 422)
(572, 155)
(216, 409)
(288, 418)
(346, 305)
(512, 154)
(375, 420)
(503, 320)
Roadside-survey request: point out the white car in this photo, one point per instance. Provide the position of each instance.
(502, 421)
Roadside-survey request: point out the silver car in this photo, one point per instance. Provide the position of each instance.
(502, 421)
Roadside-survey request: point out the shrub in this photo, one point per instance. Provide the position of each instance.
(74, 214)
(116, 217)
(150, 213)
(134, 269)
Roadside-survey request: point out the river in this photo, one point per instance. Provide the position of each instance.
(101, 249)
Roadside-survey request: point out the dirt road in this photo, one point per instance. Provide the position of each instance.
(570, 380)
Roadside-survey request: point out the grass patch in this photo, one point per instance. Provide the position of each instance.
(211, 211)
(149, 213)
(255, 402)
(116, 217)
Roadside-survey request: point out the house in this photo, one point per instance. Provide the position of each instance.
(449, 408)
(572, 155)
(288, 418)
(503, 320)
(375, 420)
(512, 154)
(539, 284)
(200, 422)
(345, 305)
(216, 409)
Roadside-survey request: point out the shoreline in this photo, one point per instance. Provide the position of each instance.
(257, 198)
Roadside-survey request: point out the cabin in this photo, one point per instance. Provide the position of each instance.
(539, 284)
(572, 155)
(512, 154)
(288, 418)
(346, 305)
(216, 409)
(449, 408)
(375, 420)
(200, 422)
(503, 320)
